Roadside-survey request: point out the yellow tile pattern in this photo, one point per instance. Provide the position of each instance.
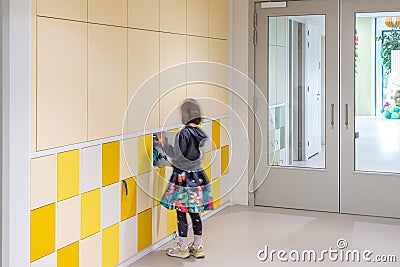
(145, 153)
(224, 160)
(172, 222)
(43, 231)
(111, 163)
(68, 174)
(216, 134)
(145, 229)
(90, 213)
(216, 192)
(128, 201)
(207, 164)
(154, 222)
(110, 246)
(68, 256)
(159, 185)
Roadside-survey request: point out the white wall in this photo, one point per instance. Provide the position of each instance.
(240, 56)
(16, 84)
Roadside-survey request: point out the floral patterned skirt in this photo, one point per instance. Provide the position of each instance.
(186, 194)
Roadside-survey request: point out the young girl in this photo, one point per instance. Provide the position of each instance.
(188, 190)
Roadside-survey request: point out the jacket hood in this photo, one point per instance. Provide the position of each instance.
(197, 134)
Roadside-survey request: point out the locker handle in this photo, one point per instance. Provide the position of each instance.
(333, 116)
(346, 122)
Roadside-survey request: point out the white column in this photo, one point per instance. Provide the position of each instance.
(16, 90)
(240, 60)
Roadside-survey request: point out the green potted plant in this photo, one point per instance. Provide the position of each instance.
(390, 41)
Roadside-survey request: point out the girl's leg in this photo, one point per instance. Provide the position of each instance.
(181, 249)
(196, 249)
(182, 224)
(197, 224)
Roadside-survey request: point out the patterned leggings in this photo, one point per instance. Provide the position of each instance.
(183, 224)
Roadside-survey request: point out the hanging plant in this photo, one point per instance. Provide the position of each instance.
(390, 41)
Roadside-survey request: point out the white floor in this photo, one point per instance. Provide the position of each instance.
(234, 236)
(376, 150)
(317, 161)
(378, 147)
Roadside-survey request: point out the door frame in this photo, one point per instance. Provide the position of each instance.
(365, 193)
(329, 188)
(351, 200)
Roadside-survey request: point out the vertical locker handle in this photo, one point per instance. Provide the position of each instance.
(346, 122)
(333, 116)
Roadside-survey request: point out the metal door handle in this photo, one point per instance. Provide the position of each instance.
(346, 121)
(333, 116)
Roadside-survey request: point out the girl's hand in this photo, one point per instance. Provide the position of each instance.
(161, 138)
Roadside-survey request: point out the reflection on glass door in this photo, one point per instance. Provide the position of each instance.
(377, 92)
(296, 91)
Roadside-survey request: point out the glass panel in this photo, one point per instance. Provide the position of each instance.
(377, 92)
(296, 91)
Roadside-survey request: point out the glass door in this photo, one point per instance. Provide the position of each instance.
(296, 120)
(370, 108)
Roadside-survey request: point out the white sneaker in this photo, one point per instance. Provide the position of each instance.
(180, 249)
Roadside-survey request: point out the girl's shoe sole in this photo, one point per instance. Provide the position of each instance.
(181, 256)
(201, 256)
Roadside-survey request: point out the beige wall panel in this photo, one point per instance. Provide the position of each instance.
(197, 17)
(108, 12)
(219, 18)
(173, 16)
(66, 9)
(129, 158)
(219, 51)
(144, 14)
(33, 78)
(43, 181)
(144, 189)
(143, 64)
(225, 132)
(172, 50)
(197, 50)
(160, 223)
(107, 85)
(61, 83)
(172, 53)
(219, 95)
(218, 101)
(170, 113)
(200, 93)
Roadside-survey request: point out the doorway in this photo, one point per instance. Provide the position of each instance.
(332, 142)
(297, 72)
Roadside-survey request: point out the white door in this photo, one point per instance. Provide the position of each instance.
(370, 146)
(285, 176)
(313, 92)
